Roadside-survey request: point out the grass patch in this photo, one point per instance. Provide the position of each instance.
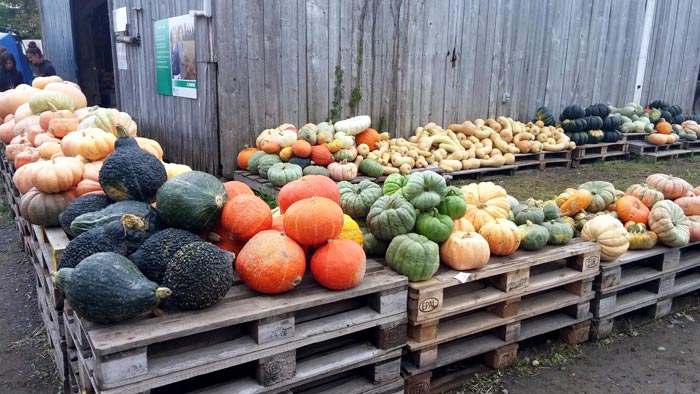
(270, 200)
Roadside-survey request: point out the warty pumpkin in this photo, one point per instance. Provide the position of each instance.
(465, 251)
(271, 263)
(340, 264)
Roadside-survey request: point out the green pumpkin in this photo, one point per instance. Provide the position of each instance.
(307, 134)
(595, 136)
(316, 170)
(394, 183)
(131, 173)
(108, 288)
(357, 199)
(49, 100)
(414, 256)
(579, 137)
(611, 122)
(545, 115)
(282, 173)
(532, 214)
(390, 216)
(266, 162)
(603, 194)
(560, 232)
(594, 122)
(572, 112)
(254, 161)
(434, 225)
(611, 136)
(372, 245)
(513, 202)
(599, 110)
(344, 154)
(454, 204)
(533, 236)
(302, 162)
(192, 201)
(425, 189)
(371, 168)
(551, 211)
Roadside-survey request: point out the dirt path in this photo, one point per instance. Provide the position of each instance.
(26, 365)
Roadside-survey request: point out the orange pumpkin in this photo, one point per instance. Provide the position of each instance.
(313, 221)
(694, 227)
(150, 146)
(220, 237)
(60, 127)
(690, 205)
(671, 187)
(91, 143)
(17, 145)
(92, 170)
(23, 177)
(664, 128)
(369, 137)
(464, 225)
(656, 139)
(465, 251)
(55, 176)
(23, 158)
(486, 202)
(301, 148)
(7, 131)
(503, 237)
(271, 263)
(31, 133)
(46, 117)
(278, 223)
(48, 149)
(270, 146)
(575, 202)
(630, 208)
(88, 186)
(244, 216)
(339, 264)
(243, 157)
(42, 138)
(236, 188)
(321, 155)
(305, 187)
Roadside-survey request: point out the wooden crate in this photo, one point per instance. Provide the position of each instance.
(246, 327)
(648, 280)
(49, 242)
(638, 148)
(601, 150)
(627, 137)
(55, 333)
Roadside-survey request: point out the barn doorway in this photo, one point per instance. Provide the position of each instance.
(93, 48)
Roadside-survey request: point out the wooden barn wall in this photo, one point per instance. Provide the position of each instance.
(57, 36)
(186, 129)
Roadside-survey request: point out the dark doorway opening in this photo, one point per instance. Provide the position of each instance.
(93, 48)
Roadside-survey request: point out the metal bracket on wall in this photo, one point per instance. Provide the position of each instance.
(129, 39)
(205, 12)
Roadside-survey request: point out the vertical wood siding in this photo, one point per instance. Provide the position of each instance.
(57, 36)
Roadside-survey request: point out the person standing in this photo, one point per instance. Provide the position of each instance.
(40, 66)
(174, 55)
(10, 77)
(182, 53)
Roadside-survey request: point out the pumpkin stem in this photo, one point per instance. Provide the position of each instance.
(52, 107)
(163, 292)
(133, 222)
(296, 281)
(122, 132)
(214, 237)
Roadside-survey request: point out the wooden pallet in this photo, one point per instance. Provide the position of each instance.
(262, 185)
(644, 279)
(543, 156)
(49, 243)
(627, 137)
(544, 164)
(638, 148)
(246, 327)
(55, 334)
(669, 154)
(692, 145)
(602, 149)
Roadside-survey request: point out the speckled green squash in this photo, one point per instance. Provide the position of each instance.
(357, 199)
(390, 216)
(532, 214)
(414, 256)
(560, 232)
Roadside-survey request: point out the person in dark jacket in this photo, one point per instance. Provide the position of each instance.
(10, 77)
(40, 66)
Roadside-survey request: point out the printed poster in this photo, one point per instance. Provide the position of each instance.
(176, 72)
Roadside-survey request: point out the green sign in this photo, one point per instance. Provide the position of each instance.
(176, 71)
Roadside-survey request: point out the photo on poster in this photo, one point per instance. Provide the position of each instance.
(176, 71)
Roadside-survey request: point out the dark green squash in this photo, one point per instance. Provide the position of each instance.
(254, 161)
(434, 225)
(593, 122)
(302, 162)
(372, 245)
(192, 201)
(533, 236)
(199, 275)
(595, 136)
(131, 173)
(600, 110)
(551, 211)
(114, 212)
(611, 123)
(371, 168)
(81, 205)
(108, 288)
(414, 256)
(357, 199)
(545, 115)
(660, 104)
(532, 214)
(611, 135)
(560, 232)
(454, 204)
(579, 138)
(152, 256)
(572, 112)
(122, 237)
(390, 216)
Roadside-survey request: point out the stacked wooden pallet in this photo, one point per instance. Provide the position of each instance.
(456, 316)
(693, 146)
(647, 151)
(308, 340)
(648, 279)
(599, 152)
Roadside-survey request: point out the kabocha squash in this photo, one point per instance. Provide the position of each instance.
(357, 199)
(560, 233)
(254, 161)
(122, 237)
(454, 204)
(244, 216)
(671, 187)
(130, 173)
(301, 148)
(424, 189)
(434, 225)
(82, 205)
(199, 275)
(602, 195)
(282, 173)
(192, 201)
(371, 168)
(533, 236)
(465, 251)
(108, 288)
(640, 238)
(524, 214)
(370, 137)
(313, 221)
(340, 264)
(645, 193)
(630, 208)
(502, 235)
(43, 209)
(394, 183)
(609, 233)
(669, 223)
(305, 187)
(414, 256)
(372, 245)
(574, 201)
(152, 256)
(486, 202)
(271, 263)
(114, 212)
(391, 216)
(266, 162)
